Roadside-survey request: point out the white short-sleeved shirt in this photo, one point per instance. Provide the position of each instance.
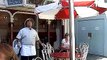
(28, 39)
(66, 44)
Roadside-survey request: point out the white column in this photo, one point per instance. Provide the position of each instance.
(72, 30)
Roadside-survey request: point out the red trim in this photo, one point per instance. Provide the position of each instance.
(64, 3)
(81, 3)
(75, 14)
(64, 14)
(99, 9)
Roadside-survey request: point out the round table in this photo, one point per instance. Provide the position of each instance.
(61, 55)
(64, 55)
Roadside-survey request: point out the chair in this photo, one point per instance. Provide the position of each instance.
(50, 50)
(46, 52)
(37, 58)
(16, 46)
(83, 51)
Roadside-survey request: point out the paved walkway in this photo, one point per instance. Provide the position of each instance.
(95, 57)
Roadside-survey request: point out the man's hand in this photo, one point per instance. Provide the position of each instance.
(43, 45)
(19, 44)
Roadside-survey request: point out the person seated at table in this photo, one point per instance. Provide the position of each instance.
(65, 44)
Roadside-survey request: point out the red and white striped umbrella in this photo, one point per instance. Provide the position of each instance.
(83, 8)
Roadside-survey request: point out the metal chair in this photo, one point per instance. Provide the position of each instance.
(83, 51)
(37, 58)
(46, 52)
(50, 50)
(16, 46)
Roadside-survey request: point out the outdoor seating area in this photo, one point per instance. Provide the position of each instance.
(53, 29)
(48, 53)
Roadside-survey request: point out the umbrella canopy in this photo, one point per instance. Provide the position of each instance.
(49, 15)
(48, 11)
(83, 8)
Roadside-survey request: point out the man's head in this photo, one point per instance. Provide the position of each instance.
(29, 22)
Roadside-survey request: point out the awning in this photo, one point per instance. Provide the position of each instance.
(83, 8)
(49, 14)
(48, 11)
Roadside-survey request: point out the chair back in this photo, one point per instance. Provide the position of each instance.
(50, 50)
(37, 58)
(46, 52)
(16, 46)
(84, 50)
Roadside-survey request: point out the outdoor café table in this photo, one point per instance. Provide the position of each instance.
(64, 55)
(61, 55)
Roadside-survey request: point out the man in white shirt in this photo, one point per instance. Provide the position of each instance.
(28, 37)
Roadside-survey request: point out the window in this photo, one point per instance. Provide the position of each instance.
(14, 2)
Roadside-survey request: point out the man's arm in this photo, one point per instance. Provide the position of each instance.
(19, 35)
(40, 42)
(38, 39)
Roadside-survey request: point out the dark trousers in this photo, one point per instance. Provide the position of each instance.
(27, 57)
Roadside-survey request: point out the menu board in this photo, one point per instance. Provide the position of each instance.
(14, 2)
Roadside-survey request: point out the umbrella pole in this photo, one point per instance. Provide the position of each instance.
(37, 18)
(49, 22)
(10, 42)
(72, 30)
(37, 27)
